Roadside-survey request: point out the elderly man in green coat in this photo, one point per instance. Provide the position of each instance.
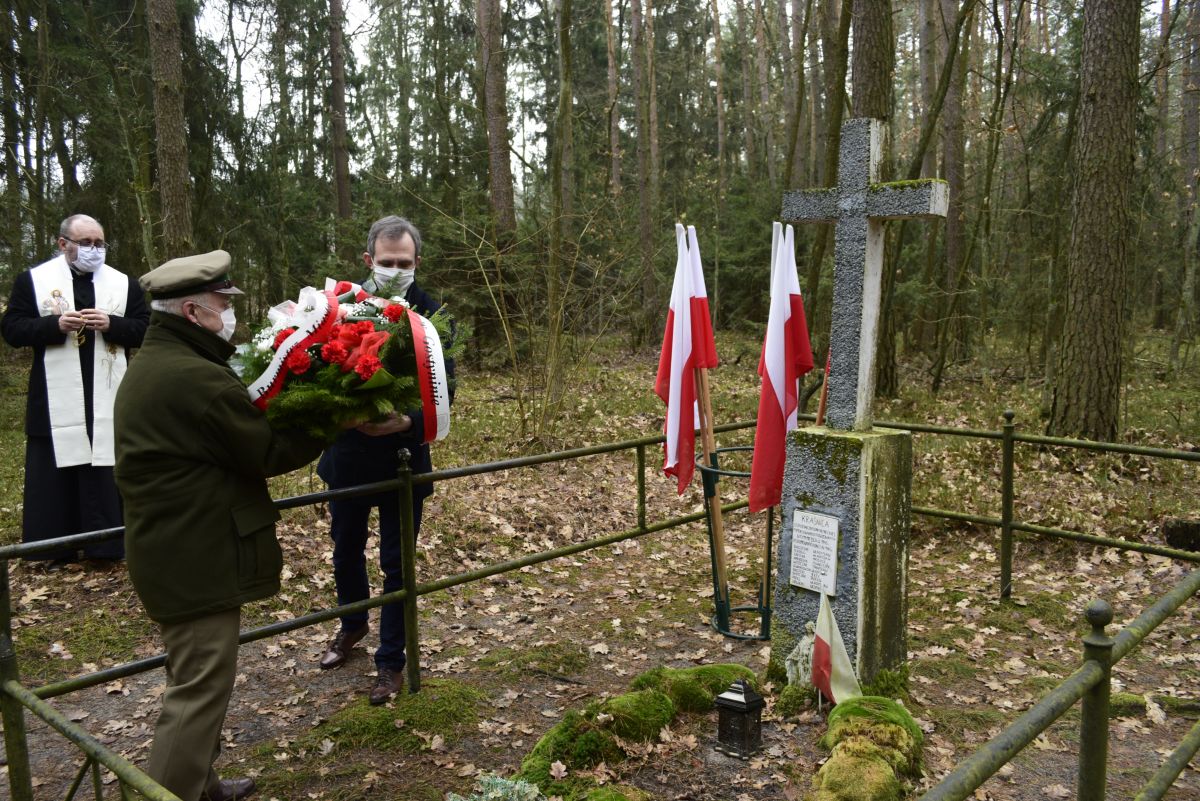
(193, 455)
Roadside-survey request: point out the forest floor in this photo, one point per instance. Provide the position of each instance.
(505, 658)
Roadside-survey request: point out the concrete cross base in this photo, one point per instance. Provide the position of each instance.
(862, 479)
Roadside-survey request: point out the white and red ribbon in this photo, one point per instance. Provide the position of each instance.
(431, 377)
(314, 314)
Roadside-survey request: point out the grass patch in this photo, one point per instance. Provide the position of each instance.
(556, 659)
(443, 707)
(962, 725)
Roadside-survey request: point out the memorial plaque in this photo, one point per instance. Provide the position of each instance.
(814, 552)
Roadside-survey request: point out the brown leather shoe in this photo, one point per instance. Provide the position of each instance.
(230, 790)
(388, 684)
(340, 647)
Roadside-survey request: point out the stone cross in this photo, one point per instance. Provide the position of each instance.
(859, 205)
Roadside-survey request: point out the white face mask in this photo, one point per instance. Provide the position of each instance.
(394, 280)
(90, 259)
(228, 323)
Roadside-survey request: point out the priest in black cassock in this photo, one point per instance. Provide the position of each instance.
(81, 317)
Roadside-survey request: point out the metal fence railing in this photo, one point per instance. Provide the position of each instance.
(15, 698)
(1091, 683)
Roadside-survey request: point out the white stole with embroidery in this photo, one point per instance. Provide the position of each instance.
(53, 291)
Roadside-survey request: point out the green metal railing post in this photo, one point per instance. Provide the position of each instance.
(1006, 506)
(1093, 719)
(408, 560)
(1169, 771)
(16, 746)
(641, 487)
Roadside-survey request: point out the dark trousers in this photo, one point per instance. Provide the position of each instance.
(68, 500)
(349, 531)
(201, 668)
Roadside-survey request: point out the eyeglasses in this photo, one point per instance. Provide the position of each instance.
(388, 264)
(87, 243)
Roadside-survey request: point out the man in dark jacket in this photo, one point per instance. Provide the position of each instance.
(370, 453)
(193, 456)
(80, 316)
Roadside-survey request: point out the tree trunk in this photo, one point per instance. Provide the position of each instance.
(341, 154)
(951, 334)
(874, 59)
(1189, 147)
(649, 284)
(1088, 393)
(837, 48)
(614, 115)
(816, 111)
(494, 72)
(559, 185)
(12, 235)
(652, 108)
(174, 183)
(719, 80)
(749, 103)
(764, 116)
(795, 172)
(1162, 83)
(871, 95)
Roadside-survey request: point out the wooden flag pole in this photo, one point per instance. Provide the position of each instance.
(824, 390)
(708, 444)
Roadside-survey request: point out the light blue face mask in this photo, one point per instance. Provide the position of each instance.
(89, 260)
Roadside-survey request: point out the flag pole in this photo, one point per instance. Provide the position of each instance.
(824, 388)
(708, 444)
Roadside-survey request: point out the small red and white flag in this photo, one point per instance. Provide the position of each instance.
(832, 672)
(688, 344)
(786, 355)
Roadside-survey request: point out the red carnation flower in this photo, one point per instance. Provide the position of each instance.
(342, 287)
(367, 366)
(281, 336)
(298, 361)
(393, 312)
(334, 352)
(349, 335)
(364, 327)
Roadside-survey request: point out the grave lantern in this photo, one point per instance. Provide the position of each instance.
(739, 720)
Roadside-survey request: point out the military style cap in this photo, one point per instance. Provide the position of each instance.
(189, 275)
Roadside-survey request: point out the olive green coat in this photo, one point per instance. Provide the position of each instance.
(193, 456)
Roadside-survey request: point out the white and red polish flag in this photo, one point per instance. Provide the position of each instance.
(832, 672)
(687, 344)
(786, 355)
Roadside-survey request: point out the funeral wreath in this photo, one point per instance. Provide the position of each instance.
(340, 355)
